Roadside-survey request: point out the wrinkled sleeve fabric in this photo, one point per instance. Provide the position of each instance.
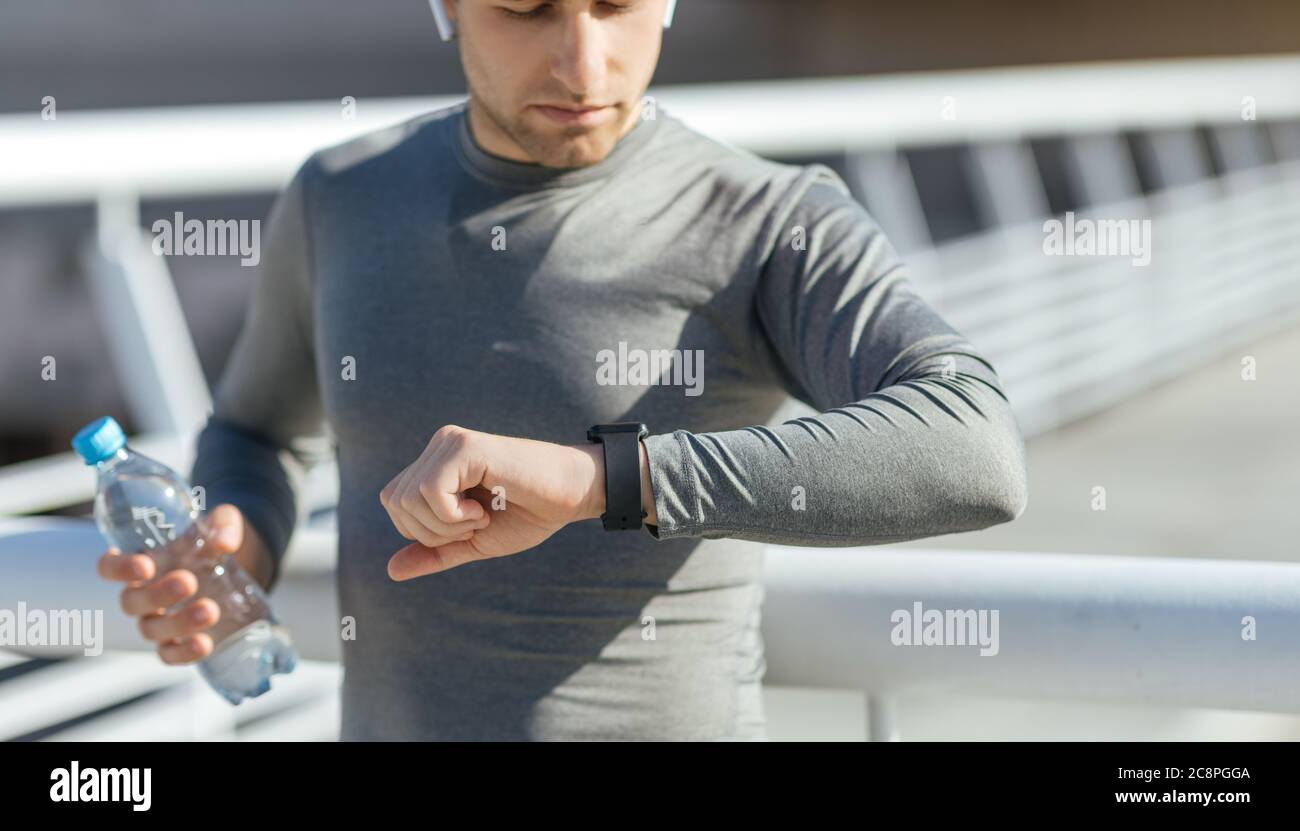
(914, 437)
(267, 401)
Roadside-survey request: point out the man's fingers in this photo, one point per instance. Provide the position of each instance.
(412, 515)
(415, 507)
(405, 524)
(171, 588)
(388, 498)
(425, 502)
(418, 560)
(131, 568)
(436, 540)
(190, 619)
(415, 513)
(194, 648)
(226, 525)
(441, 489)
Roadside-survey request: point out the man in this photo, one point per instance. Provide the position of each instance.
(459, 298)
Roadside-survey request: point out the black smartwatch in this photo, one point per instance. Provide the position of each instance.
(622, 442)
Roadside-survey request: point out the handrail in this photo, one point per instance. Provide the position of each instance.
(1136, 630)
(221, 149)
(63, 479)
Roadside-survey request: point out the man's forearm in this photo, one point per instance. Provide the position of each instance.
(931, 456)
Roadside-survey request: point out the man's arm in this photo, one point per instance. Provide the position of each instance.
(915, 436)
(268, 396)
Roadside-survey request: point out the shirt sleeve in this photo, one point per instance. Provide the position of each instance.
(252, 452)
(915, 436)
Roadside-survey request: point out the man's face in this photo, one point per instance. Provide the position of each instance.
(556, 83)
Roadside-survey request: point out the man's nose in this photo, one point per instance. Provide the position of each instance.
(579, 60)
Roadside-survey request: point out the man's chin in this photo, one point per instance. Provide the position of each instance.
(562, 146)
(568, 151)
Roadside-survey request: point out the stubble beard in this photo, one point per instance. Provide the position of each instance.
(558, 147)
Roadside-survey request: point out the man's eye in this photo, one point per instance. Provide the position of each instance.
(615, 8)
(535, 12)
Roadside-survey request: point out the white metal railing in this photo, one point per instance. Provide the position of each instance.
(44, 563)
(1072, 335)
(1139, 630)
(148, 337)
(138, 698)
(256, 147)
(1124, 630)
(61, 480)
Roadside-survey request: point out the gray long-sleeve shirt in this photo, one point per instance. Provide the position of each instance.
(411, 280)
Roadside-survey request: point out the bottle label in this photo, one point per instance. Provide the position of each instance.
(160, 531)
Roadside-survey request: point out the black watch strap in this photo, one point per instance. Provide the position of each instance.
(622, 448)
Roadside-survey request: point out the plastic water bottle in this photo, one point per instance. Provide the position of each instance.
(144, 506)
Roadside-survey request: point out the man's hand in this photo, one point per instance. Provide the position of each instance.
(181, 634)
(472, 495)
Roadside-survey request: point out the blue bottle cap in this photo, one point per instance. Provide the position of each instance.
(99, 440)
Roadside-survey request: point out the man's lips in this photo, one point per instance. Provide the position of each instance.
(568, 114)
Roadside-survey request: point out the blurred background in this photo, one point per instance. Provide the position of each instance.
(962, 127)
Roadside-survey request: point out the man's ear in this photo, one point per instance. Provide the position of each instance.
(447, 27)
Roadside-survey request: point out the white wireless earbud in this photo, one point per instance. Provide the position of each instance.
(447, 29)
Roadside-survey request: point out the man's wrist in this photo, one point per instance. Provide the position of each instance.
(254, 557)
(593, 467)
(592, 475)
